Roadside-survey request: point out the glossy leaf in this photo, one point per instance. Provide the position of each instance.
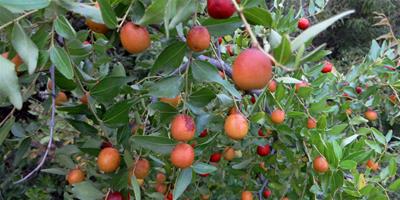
(61, 60)
(182, 182)
(9, 86)
(26, 49)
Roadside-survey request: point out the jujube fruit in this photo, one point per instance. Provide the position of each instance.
(161, 188)
(160, 177)
(134, 38)
(183, 128)
(278, 116)
(108, 159)
(320, 164)
(85, 98)
(272, 86)
(267, 193)
(142, 168)
(204, 133)
(371, 115)
(247, 195)
(372, 165)
(236, 126)
(229, 153)
(301, 85)
(198, 38)
(61, 98)
(263, 150)
(220, 9)
(215, 157)
(16, 60)
(359, 90)
(75, 176)
(327, 67)
(182, 156)
(303, 23)
(96, 27)
(252, 69)
(311, 123)
(114, 196)
(174, 102)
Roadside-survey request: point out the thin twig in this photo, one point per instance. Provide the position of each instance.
(17, 19)
(264, 185)
(51, 124)
(126, 15)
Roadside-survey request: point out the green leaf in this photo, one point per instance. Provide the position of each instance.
(136, 187)
(274, 39)
(157, 144)
(170, 58)
(202, 97)
(316, 29)
(107, 88)
(378, 136)
(258, 16)
(107, 13)
(205, 72)
(185, 9)
(6, 16)
(358, 120)
(373, 145)
(5, 129)
(337, 129)
(168, 87)
(348, 164)
(349, 140)
(9, 86)
(25, 48)
(87, 11)
(18, 6)
(395, 186)
(337, 150)
(287, 80)
(242, 164)
(82, 127)
(86, 190)
(182, 182)
(57, 171)
(222, 27)
(337, 179)
(283, 52)
(64, 28)
(203, 168)
(166, 111)
(61, 60)
(316, 55)
(392, 166)
(154, 14)
(118, 114)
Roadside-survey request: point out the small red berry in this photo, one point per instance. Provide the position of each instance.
(390, 68)
(267, 193)
(169, 197)
(229, 50)
(220, 40)
(203, 133)
(114, 196)
(215, 157)
(303, 23)
(263, 150)
(204, 175)
(260, 132)
(253, 99)
(327, 67)
(358, 90)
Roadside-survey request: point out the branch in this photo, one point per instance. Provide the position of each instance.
(51, 125)
(17, 19)
(265, 183)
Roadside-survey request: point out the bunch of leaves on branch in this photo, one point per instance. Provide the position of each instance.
(171, 99)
